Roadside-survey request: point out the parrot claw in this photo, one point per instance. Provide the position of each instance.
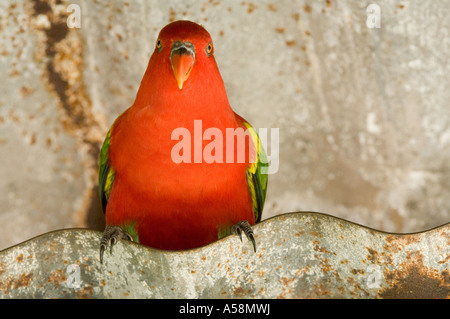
(111, 235)
(244, 226)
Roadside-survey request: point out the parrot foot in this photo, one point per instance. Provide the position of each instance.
(244, 226)
(111, 235)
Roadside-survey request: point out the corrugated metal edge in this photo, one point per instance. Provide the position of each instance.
(300, 255)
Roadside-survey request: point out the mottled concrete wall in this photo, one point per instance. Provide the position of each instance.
(363, 113)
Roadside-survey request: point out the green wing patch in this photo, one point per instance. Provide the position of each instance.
(257, 181)
(106, 173)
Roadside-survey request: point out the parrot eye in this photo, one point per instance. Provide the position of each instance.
(159, 45)
(209, 49)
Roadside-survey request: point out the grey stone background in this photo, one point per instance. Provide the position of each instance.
(363, 113)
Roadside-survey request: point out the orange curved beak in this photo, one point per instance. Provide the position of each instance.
(182, 59)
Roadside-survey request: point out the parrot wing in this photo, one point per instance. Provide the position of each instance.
(106, 173)
(256, 177)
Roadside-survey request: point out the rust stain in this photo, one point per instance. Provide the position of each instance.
(84, 293)
(14, 73)
(57, 277)
(214, 3)
(320, 290)
(172, 15)
(239, 291)
(53, 246)
(250, 6)
(290, 43)
(301, 271)
(287, 281)
(2, 269)
(11, 115)
(287, 287)
(445, 259)
(23, 281)
(26, 91)
(325, 265)
(13, 283)
(272, 7)
(356, 287)
(316, 234)
(262, 291)
(318, 248)
(60, 50)
(396, 243)
(357, 271)
(41, 7)
(375, 257)
(412, 279)
(19, 258)
(261, 273)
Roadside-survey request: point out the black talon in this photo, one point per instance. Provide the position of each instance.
(244, 226)
(111, 235)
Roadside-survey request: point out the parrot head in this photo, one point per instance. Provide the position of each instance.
(185, 44)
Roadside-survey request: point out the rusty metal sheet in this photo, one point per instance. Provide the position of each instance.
(300, 255)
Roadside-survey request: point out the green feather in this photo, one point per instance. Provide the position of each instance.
(106, 173)
(257, 181)
(131, 229)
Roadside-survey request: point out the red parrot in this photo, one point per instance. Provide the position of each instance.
(152, 198)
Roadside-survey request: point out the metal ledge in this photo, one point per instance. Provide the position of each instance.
(300, 255)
